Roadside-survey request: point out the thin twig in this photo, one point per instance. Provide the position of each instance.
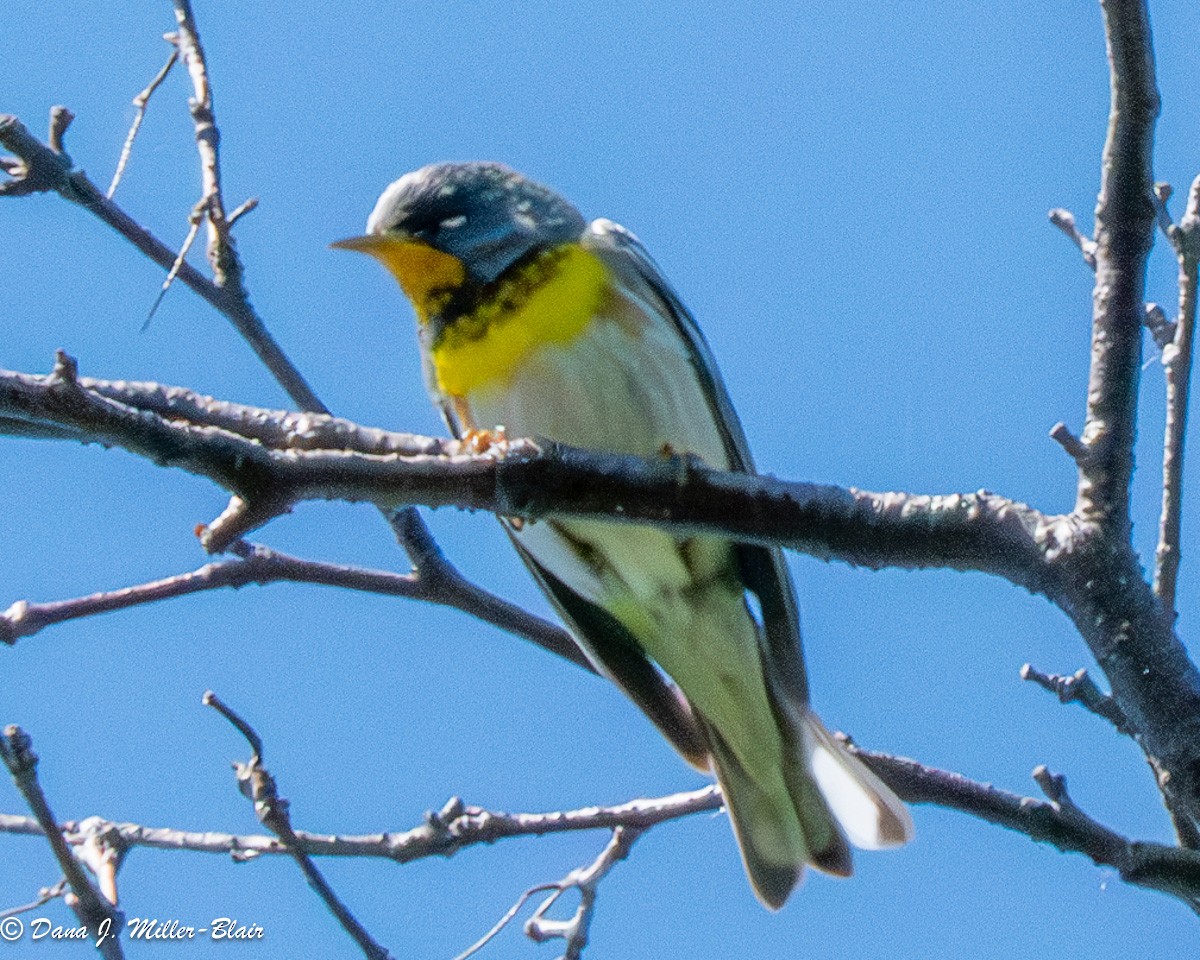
(242, 209)
(45, 895)
(210, 699)
(257, 564)
(256, 782)
(60, 119)
(1080, 688)
(102, 919)
(1065, 221)
(222, 257)
(574, 930)
(1177, 364)
(194, 220)
(505, 920)
(140, 103)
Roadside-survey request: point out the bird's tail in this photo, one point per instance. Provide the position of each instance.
(822, 796)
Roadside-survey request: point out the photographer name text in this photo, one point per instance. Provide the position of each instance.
(136, 928)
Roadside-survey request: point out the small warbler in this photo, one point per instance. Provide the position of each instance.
(532, 319)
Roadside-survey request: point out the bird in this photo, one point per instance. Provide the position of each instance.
(536, 322)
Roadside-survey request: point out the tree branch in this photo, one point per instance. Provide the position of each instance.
(1080, 688)
(293, 457)
(256, 564)
(1065, 221)
(102, 919)
(1177, 364)
(1124, 233)
(1058, 823)
(228, 273)
(272, 810)
(457, 826)
(45, 170)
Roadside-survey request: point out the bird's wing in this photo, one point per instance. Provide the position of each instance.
(618, 656)
(609, 645)
(763, 569)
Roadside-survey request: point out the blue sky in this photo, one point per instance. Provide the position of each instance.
(851, 198)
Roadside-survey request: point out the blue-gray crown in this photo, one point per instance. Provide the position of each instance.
(485, 214)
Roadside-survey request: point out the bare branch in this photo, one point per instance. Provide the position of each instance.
(210, 699)
(103, 921)
(45, 895)
(574, 931)
(456, 826)
(256, 782)
(1177, 364)
(194, 220)
(256, 564)
(1155, 866)
(1127, 628)
(1125, 219)
(247, 206)
(528, 479)
(42, 169)
(1080, 688)
(1065, 221)
(140, 103)
(222, 254)
(60, 120)
(442, 833)
(504, 921)
(1061, 434)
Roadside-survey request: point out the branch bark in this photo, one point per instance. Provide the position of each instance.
(282, 458)
(1125, 220)
(1177, 366)
(45, 169)
(104, 922)
(456, 826)
(257, 564)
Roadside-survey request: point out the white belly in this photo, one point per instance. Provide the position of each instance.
(608, 391)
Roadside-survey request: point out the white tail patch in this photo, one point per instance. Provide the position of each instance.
(870, 813)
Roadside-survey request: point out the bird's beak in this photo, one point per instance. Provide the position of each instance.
(371, 243)
(418, 267)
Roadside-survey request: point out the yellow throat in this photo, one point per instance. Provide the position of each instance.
(551, 299)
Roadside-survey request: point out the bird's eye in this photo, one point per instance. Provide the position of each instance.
(451, 223)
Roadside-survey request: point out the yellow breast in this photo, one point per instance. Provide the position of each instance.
(551, 300)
